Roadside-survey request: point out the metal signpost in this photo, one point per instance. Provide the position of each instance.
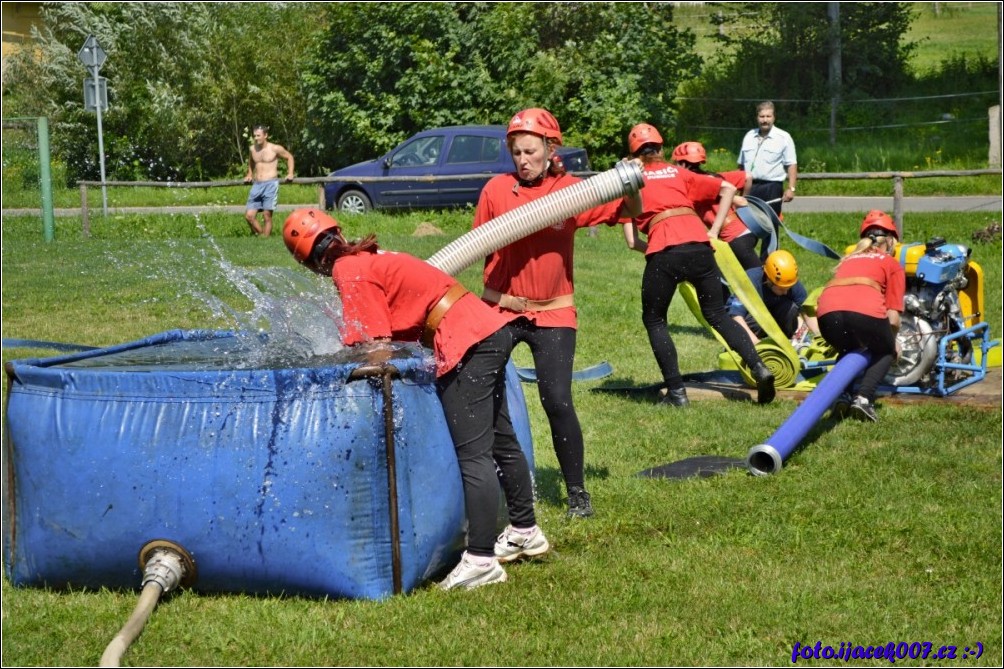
(96, 99)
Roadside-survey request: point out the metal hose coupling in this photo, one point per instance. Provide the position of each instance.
(167, 564)
(631, 174)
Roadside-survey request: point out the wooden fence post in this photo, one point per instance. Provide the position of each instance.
(897, 203)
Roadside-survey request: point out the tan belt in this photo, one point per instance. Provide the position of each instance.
(666, 213)
(435, 316)
(856, 281)
(521, 304)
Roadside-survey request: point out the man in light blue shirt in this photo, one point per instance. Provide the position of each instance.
(768, 154)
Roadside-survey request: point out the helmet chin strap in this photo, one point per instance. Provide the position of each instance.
(536, 180)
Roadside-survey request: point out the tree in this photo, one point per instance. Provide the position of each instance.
(781, 51)
(338, 82)
(383, 71)
(186, 82)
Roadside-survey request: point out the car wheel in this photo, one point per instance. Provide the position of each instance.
(354, 202)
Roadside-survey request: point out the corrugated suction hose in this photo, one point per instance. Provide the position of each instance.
(624, 179)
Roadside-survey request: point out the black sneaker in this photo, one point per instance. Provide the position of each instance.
(579, 505)
(676, 397)
(862, 409)
(842, 406)
(764, 383)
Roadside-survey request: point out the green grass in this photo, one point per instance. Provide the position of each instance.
(870, 534)
(16, 197)
(960, 29)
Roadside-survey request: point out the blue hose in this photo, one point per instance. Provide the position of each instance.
(768, 458)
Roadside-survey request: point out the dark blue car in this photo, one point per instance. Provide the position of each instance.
(474, 152)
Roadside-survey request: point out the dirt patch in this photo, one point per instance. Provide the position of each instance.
(985, 393)
(426, 230)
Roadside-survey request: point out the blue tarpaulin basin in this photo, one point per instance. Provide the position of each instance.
(275, 480)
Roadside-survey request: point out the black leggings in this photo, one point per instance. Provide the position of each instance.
(553, 352)
(474, 401)
(745, 249)
(850, 331)
(664, 271)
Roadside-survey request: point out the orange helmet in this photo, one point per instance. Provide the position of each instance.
(535, 121)
(781, 269)
(642, 134)
(878, 219)
(690, 152)
(301, 229)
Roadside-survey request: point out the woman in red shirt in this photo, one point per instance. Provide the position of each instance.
(861, 308)
(678, 249)
(690, 156)
(529, 282)
(394, 296)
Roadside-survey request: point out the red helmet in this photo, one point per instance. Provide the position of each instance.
(878, 219)
(302, 228)
(690, 152)
(535, 121)
(642, 134)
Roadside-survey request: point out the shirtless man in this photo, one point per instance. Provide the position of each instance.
(263, 172)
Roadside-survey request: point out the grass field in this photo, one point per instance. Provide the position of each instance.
(957, 29)
(871, 534)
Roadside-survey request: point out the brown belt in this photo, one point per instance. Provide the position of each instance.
(435, 316)
(856, 281)
(666, 213)
(521, 304)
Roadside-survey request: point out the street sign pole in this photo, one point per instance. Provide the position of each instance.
(101, 143)
(93, 57)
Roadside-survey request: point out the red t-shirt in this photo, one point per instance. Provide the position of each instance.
(668, 187)
(733, 227)
(387, 294)
(539, 266)
(863, 299)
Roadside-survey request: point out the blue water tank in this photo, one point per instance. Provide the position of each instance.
(275, 480)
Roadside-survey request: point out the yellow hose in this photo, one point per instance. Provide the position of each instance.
(776, 350)
(779, 362)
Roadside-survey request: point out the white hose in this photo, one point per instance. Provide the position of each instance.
(116, 649)
(165, 569)
(624, 179)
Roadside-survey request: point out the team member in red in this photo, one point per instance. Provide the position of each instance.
(529, 282)
(678, 249)
(394, 296)
(690, 156)
(861, 307)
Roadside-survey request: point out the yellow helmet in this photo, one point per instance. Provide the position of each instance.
(781, 269)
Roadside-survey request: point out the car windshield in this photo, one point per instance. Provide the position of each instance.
(418, 152)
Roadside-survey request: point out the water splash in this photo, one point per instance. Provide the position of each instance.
(282, 316)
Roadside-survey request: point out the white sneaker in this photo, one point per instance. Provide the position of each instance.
(468, 574)
(512, 545)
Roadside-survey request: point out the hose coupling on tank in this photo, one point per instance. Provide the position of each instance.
(167, 564)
